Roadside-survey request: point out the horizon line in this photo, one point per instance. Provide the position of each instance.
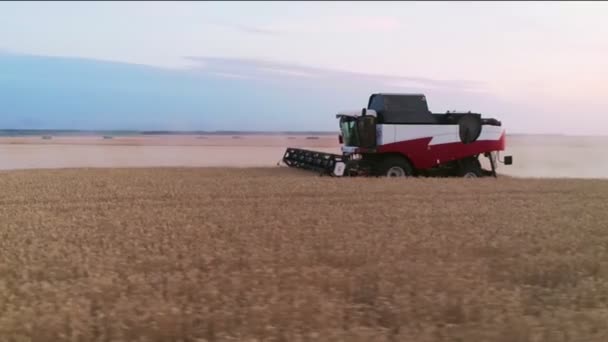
(33, 131)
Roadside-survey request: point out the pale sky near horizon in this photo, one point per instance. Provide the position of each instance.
(545, 54)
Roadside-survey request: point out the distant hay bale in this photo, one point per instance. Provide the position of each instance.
(107, 137)
(47, 137)
(202, 137)
(312, 138)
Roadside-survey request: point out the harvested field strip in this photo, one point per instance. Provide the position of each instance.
(279, 254)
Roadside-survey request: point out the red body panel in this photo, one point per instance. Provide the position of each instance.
(424, 156)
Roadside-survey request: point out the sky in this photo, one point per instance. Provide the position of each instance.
(539, 67)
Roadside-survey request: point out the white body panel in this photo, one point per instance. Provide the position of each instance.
(442, 134)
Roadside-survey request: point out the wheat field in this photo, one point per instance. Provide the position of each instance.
(284, 255)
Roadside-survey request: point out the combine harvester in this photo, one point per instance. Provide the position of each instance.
(397, 136)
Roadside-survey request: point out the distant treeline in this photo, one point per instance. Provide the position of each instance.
(233, 133)
(59, 132)
(67, 132)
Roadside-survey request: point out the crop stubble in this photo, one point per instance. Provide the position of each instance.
(277, 254)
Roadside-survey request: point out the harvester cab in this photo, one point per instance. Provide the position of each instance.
(358, 130)
(397, 136)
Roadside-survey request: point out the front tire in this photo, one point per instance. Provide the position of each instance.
(396, 167)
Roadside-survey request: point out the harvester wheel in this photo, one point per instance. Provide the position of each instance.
(471, 168)
(469, 128)
(396, 167)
